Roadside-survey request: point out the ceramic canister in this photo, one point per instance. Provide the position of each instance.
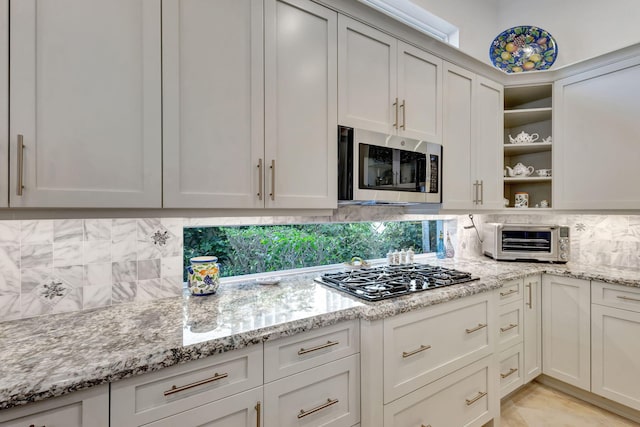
(521, 200)
(204, 275)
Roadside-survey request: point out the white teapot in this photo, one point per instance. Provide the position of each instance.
(520, 170)
(524, 138)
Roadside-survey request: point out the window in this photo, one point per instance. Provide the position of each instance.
(414, 16)
(258, 249)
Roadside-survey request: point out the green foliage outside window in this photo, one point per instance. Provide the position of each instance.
(257, 249)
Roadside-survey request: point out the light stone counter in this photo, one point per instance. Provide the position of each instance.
(49, 356)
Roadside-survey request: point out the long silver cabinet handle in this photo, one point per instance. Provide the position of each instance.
(475, 193)
(20, 153)
(530, 303)
(404, 115)
(176, 389)
(511, 326)
(481, 192)
(273, 180)
(480, 395)
(318, 347)
(509, 292)
(395, 105)
(258, 410)
(411, 353)
(328, 403)
(259, 179)
(628, 298)
(477, 328)
(511, 371)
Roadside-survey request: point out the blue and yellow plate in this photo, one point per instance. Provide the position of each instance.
(523, 48)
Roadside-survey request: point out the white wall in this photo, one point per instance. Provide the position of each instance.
(477, 21)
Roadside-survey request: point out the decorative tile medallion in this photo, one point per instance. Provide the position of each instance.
(160, 237)
(53, 291)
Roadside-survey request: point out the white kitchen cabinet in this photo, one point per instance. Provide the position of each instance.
(240, 410)
(259, 131)
(528, 109)
(4, 94)
(327, 395)
(467, 397)
(387, 85)
(86, 408)
(615, 326)
(566, 324)
(301, 150)
(472, 135)
(213, 114)
(596, 129)
(85, 103)
(510, 325)
(182, 389)
(511, 362)
(532, 328)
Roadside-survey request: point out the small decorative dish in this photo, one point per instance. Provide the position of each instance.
(357, 263)
(523, 48)
(268, 280)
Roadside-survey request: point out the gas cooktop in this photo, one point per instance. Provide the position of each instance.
(377, 283)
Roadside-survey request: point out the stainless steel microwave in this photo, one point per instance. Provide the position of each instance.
(526, 242)
(378, 168)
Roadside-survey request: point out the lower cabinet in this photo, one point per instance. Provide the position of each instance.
(615, 328)
(87, 408)
(510, 369)
(566, 335)
(240, 410)
(463, 398)
(532, 335)
(328, 395)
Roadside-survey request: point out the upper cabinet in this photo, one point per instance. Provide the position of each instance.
(250, 111)
(472, 135)
(386, 85)
(85, 104)
(528, 141)
(596, 130)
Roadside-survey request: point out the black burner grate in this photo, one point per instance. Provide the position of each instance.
(374, 284)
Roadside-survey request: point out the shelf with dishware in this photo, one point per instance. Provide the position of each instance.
(527, 146)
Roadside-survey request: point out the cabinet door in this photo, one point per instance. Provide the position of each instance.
(419, 94)
(532, 328)
(596, 130)
(487, 146)
(367, 70)
(458, 89)
(4, 95)
(301, 128)
(615, 347)
(239, 410)
(85, 95)
(566, 321)
(213, 103)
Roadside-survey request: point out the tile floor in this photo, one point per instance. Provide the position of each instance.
(537, 405)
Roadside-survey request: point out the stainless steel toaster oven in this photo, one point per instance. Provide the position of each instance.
(530, 242)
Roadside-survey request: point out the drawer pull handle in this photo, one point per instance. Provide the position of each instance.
(176, 389)
(411, 353)
(509, 292)
(477, 328)
(422, 425)
(318, 347)
(258, 409)
(511, 326)
(511, 371)
(475, 399)
(259, 179)
(628, 298)
(20, 168)
(328, 403)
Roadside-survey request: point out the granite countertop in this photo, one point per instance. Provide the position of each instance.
(53, 355)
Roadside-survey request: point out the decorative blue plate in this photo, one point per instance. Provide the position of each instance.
(523, 48)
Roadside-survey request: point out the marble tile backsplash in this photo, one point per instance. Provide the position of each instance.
(54, 266)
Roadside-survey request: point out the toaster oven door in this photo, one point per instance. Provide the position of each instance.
(528, 243)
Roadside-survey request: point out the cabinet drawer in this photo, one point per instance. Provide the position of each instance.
(510, 325)
(464, 398)
(511, 365)
(328, 395)
(81, 408)
(425, 345)
(510, 291)
(618, 296)
(295, 354)
(239, 410)
(143, 399)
